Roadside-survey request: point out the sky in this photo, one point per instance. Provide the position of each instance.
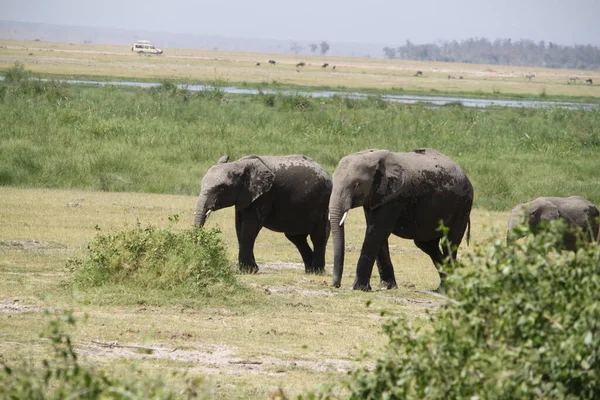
(389, 22)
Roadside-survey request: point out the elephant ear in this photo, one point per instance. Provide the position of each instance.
(388, 180)
(258, 179)
(543, 211)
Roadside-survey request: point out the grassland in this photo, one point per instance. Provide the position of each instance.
(286, 329)
(186, 65)
(76, 162)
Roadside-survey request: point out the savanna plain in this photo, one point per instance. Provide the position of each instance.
(79, 162)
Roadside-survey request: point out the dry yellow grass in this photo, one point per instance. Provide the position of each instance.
(296, 332)
(237, 67)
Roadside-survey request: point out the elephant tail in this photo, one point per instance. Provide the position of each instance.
(468, 229)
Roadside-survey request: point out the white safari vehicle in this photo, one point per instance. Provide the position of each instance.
(145, 47)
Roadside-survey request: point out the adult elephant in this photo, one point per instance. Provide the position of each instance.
(576, 211)
(406, 194)
(286, 194)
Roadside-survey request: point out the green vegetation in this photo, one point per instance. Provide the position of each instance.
(162, 140)
(151, 258)
(63, 376)
(521, 322)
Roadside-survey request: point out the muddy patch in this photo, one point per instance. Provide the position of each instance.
(296, 290)
(21, 244)
(31, 245)
(214, 359)
(15, 307)
(281, 265)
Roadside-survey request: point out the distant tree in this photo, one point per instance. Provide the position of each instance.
(389, 52)
(313, 47)
(324, 47)
(296, 47)
(523, 52)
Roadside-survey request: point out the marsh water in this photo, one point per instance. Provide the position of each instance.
(398, 98)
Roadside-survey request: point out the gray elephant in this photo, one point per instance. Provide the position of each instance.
(406, 194)
(286, 194)
(575, 210)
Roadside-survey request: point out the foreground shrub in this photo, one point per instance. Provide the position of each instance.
(17, 73)
(19, 82)
(155, 258)
(61, 376)
(522, 322)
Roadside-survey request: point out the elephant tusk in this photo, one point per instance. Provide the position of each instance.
(343, 218)
(328, 216)
(207, 214)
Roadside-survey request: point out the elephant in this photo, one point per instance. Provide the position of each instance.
(576, 211)
(404, 193)
(288, 194)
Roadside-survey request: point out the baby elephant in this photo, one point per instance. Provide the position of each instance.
(576, 211)
(288, 194)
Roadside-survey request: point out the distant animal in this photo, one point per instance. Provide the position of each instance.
(257, 64)
(287, 194)
(333, 68)
(576, 211)
(272, 62)
(451, 77)
(297, 70)
(325, 65)
(460, 77)
(529, 76)
(573, 79)
(589, 80)
(418, 73)
(300, 64)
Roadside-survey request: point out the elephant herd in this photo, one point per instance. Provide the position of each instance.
(408, 194)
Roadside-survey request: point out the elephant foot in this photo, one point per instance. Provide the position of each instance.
(365, 287)
(383, 285)
(248, 268)
(440, 288)
(316, 271)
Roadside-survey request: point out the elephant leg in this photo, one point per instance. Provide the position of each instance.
(455, 236)
(379, 228)
(387, 280)
(305, 251)
(238, 226)
(319, 240)
(249, 227)
(432, 249)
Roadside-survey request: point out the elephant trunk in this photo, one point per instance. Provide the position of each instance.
(202, 211)
(337, 229)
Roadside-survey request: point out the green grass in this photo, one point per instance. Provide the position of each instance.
(163, 140)
(76, 167)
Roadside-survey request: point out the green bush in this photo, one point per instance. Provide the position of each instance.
(19, 82)
(155, 258)
(521, 322)
(63, 377)
(16, 74)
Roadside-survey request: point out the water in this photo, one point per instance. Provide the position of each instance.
(406, 99)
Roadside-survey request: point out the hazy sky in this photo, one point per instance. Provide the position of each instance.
(389, 22)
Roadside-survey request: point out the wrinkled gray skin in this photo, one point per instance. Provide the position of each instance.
(286, 194)
(406, 194)
(575, 210)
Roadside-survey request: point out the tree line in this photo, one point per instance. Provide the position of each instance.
(523, 52)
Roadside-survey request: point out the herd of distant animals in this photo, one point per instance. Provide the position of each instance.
(298, 65)
(572, 79)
